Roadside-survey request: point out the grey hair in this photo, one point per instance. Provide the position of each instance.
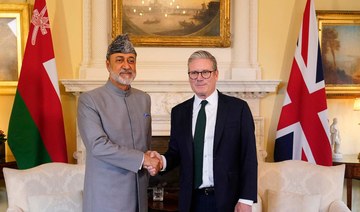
(202, 54)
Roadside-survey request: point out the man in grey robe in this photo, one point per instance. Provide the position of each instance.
(115, 125)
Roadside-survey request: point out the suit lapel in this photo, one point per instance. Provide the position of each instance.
(220, 120)
(188, 124)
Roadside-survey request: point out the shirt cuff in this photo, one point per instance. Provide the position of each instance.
(246, 201)
(164, 163)
(142, 162)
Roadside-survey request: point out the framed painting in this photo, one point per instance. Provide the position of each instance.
(173, 23)
(14, 27)
(339, 33)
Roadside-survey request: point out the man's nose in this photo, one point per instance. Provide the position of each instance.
(200, 77)
(126, 65)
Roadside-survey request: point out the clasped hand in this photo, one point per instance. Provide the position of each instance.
(152, 162)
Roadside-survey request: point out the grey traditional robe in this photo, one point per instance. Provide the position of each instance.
(115, 127)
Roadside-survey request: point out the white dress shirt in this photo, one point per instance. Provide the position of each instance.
(211, 111)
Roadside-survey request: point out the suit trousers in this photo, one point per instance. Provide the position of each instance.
(203, 201)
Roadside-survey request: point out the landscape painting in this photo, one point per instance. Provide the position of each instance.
(173, 22)
(14, 27)
(339, 33)
(341, 53)
(9, 55)
(172, 18)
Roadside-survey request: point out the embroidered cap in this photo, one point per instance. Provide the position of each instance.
(121, 44)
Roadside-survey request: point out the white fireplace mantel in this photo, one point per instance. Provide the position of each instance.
(166, 94)
(246, 89)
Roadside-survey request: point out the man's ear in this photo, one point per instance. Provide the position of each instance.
(217, 73)
(108, 65)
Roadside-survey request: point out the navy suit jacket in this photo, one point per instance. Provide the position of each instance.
(234, 153)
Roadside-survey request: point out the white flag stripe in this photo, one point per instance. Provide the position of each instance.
(50, 67)
(323, 115)
(298, 138)
(307, 151)
(287, 99)
(300, 142)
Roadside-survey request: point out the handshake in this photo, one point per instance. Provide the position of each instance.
(152, 162)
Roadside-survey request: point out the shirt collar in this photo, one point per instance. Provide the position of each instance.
(212, 99)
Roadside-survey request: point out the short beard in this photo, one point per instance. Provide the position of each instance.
(117, 76)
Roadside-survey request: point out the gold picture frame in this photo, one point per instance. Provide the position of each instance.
(184, 23)
(339, 33)
(14, 28)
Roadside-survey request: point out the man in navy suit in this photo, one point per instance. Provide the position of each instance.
(229, 164)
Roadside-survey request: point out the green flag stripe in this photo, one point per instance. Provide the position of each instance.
(24, 138)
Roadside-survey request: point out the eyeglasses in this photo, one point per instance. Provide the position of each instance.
(204, 74)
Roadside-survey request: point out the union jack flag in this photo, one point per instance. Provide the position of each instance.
(303, 129)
